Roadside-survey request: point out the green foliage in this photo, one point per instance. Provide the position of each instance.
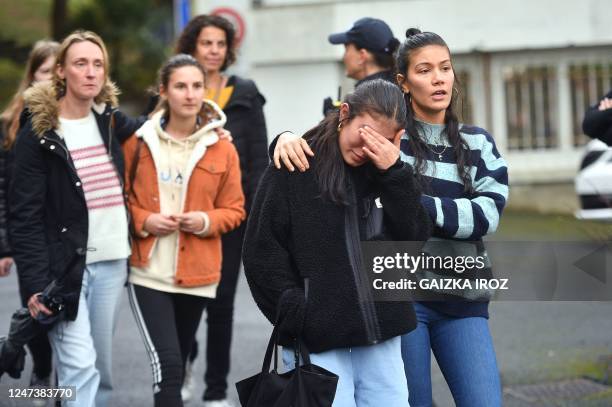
(10, 76)
(25, 21)
(137, 34)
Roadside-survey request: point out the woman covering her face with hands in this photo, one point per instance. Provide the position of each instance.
(302, 249)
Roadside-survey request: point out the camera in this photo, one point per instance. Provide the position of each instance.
(54, 302)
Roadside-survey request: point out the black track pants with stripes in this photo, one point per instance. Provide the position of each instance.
(168, 323)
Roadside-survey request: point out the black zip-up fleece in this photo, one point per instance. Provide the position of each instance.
(299, 256)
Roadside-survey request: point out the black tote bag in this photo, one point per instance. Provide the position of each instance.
(305, 386)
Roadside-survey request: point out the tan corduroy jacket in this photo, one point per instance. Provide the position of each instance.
(212, 179)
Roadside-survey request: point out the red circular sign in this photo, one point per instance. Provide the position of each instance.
(235, 18)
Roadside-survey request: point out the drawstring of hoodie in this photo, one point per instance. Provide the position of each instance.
(178, 178)
(187, 145)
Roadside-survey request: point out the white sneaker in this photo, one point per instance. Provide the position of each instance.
(187, 389)
(218, 403)
(39, 402)
(39, 382)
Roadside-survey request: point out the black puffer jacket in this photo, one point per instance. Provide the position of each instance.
(48, 220)
(297, 245)
(246, 122)
(598, 123)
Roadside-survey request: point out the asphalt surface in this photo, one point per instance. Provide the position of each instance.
(534, 342)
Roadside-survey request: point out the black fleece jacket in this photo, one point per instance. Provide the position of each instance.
(294, 235)
(598, 123)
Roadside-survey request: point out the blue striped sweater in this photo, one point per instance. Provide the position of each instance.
(455, 214)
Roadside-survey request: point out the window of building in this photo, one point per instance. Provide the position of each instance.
(588, 84)
(531, 107)
(465, 105)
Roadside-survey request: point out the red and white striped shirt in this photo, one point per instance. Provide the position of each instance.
(108, 229)
(98, 176)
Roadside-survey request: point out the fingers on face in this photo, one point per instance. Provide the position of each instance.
(371, 142)
(373, 156)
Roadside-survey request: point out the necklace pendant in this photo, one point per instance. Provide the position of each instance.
(440, 157)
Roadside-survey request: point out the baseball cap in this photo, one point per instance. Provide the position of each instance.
(369, 33)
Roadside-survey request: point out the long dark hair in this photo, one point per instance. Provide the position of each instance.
(188, 40)
(377, 98)
(415, 39)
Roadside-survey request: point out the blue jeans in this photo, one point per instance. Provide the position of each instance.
(83, 347)
(369, 376)
(464, 351)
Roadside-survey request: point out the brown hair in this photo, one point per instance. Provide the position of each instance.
(40, 52)
(187, 42)
(109, 90)
(171, 65)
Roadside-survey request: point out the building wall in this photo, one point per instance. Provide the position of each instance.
(530, 68)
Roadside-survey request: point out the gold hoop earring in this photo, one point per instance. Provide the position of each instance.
(340, 126)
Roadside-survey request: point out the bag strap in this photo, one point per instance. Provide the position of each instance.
(300, 349)
(271, 350)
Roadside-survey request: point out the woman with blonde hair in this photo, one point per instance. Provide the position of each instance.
(68, 220)
(39, 67)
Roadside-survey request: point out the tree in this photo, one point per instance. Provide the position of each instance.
(137, 34)
(59, 16)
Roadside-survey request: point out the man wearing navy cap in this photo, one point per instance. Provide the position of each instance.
(369, 47)
(368, 54)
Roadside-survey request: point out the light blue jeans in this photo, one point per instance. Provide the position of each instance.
(369, 376)
(83, 347)
(464, 351)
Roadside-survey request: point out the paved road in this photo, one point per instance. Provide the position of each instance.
(534, 342)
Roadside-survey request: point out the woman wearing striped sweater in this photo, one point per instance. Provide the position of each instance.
(465, 185)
